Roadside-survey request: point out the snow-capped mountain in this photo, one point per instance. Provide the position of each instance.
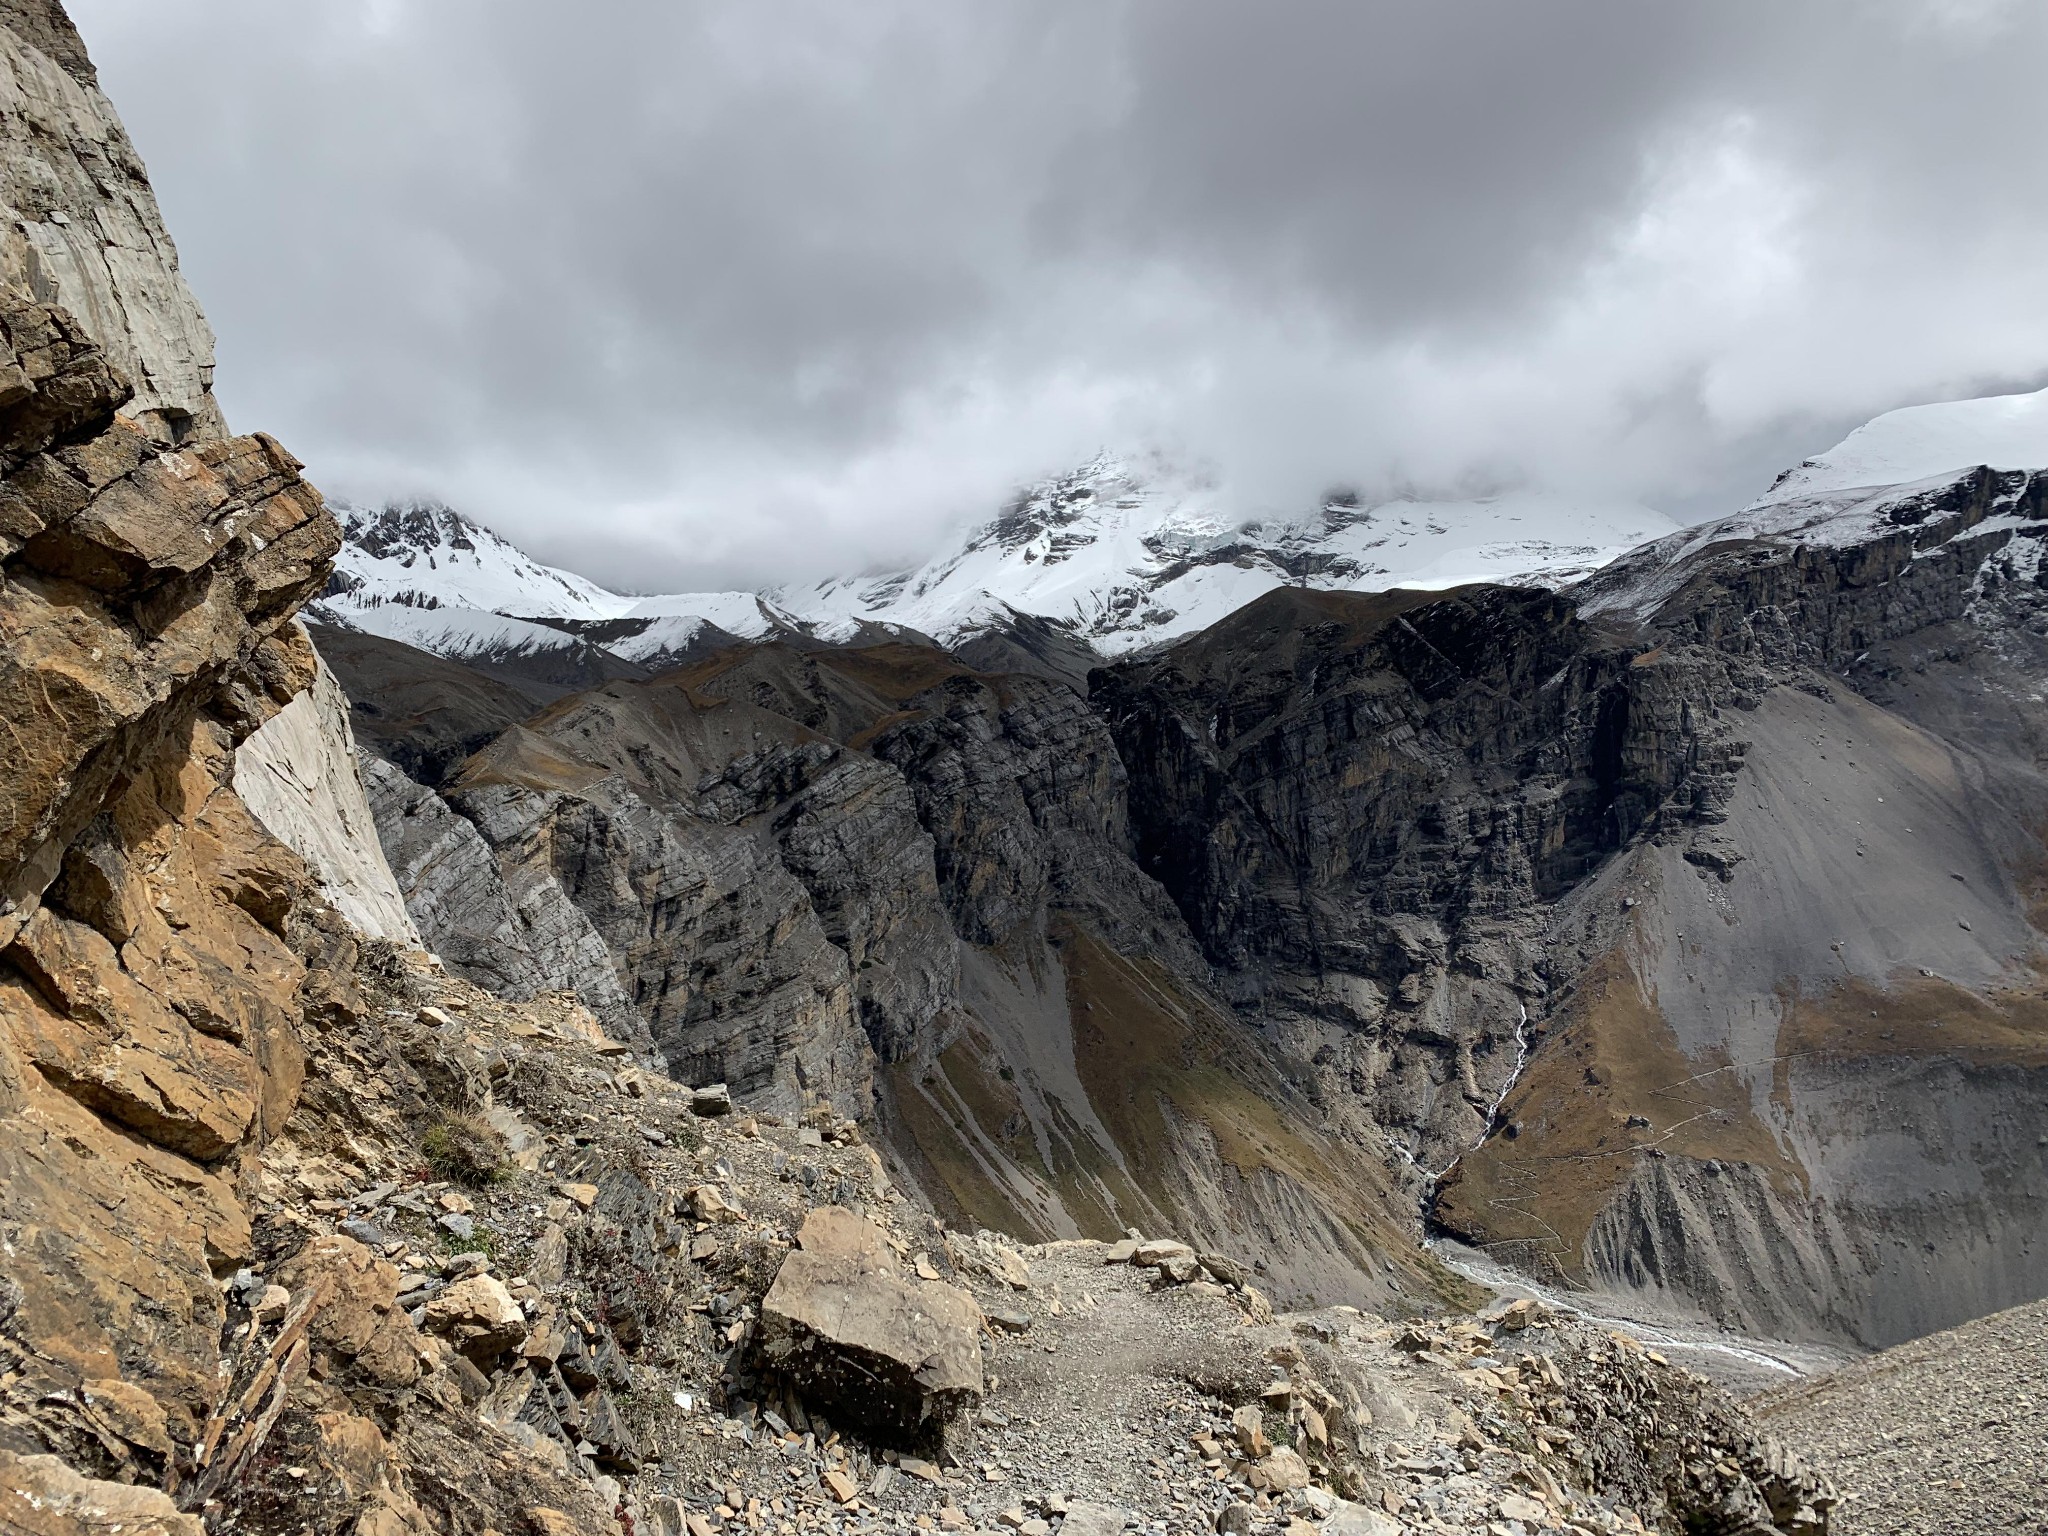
(1921, 442)
(1130, 558)
(423, 574)
(1916, 468)
(1123, 557)
(421, 555)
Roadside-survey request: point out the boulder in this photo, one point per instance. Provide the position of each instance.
(1360, 1520)
(712, 1101)
(1284, 1470)
(478, 1316)
(1159, 1250)
(900, 1357)
(1226, 1269)
(1176, 1269)
(1085, 1519)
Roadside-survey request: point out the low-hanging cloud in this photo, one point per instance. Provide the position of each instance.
(681, 293)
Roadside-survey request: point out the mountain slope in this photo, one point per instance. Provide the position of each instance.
(1923, 441)
(422, 555)
(1468, 883)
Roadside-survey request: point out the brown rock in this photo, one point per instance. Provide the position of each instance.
(1158, 1251)
(40, 1496)
(354, 1317)
(478, 1316)
(1284, 1469)
(899, 1357)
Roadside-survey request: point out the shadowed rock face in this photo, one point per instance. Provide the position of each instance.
(876, 875)
(1359, 804)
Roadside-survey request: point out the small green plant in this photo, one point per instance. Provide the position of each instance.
(480, 1240)
(466, 1149)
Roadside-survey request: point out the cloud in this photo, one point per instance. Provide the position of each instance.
(684, 293)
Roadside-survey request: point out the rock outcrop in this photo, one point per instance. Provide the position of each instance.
(852, 1333)
(79, 229)
(156, 951)
(298, 773)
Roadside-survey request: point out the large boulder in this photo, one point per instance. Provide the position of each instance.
(864, 1341)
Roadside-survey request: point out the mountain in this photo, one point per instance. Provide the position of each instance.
(809, 1022)
(1101, 562)
(423, 556)
(1472, 882)
(1127, 558)
(1920, 442)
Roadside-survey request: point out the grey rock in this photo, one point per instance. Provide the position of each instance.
(711, 1101)
(901, 1358)
(1085, 1518)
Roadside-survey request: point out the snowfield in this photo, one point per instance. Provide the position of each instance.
(1921, 442)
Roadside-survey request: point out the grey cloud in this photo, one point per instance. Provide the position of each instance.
(697, 294)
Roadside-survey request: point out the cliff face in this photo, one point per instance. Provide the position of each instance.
(188, 1055)
(1787, 1078)
(1564, 914)
(79, 227)
(154, 953)
(877, 876)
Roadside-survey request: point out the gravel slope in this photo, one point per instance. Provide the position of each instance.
(1944, 1435)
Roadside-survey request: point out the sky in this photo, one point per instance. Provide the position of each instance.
(684, 294)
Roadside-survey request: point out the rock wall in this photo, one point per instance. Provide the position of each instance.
(298, 774)
(877, 876)
(80, 230)
(155, 953)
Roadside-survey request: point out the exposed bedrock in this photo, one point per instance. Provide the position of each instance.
(1905, 1226)
(867, 875)
(1362, 805)
(1786, 1075)
(158, 947)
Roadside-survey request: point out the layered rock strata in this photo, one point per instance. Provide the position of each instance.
(880, 877)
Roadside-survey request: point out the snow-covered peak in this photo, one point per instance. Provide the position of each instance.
(1922, 442)
(1915, 471)
(1131, 556)
(424, 555)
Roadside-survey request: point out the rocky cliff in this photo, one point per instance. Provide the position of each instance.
(167, 965)
(1555, 912)
(879, 877)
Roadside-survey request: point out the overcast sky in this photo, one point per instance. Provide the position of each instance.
(685, 294)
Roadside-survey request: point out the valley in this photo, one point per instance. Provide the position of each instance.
(1613, 923)
(1402, 1016)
